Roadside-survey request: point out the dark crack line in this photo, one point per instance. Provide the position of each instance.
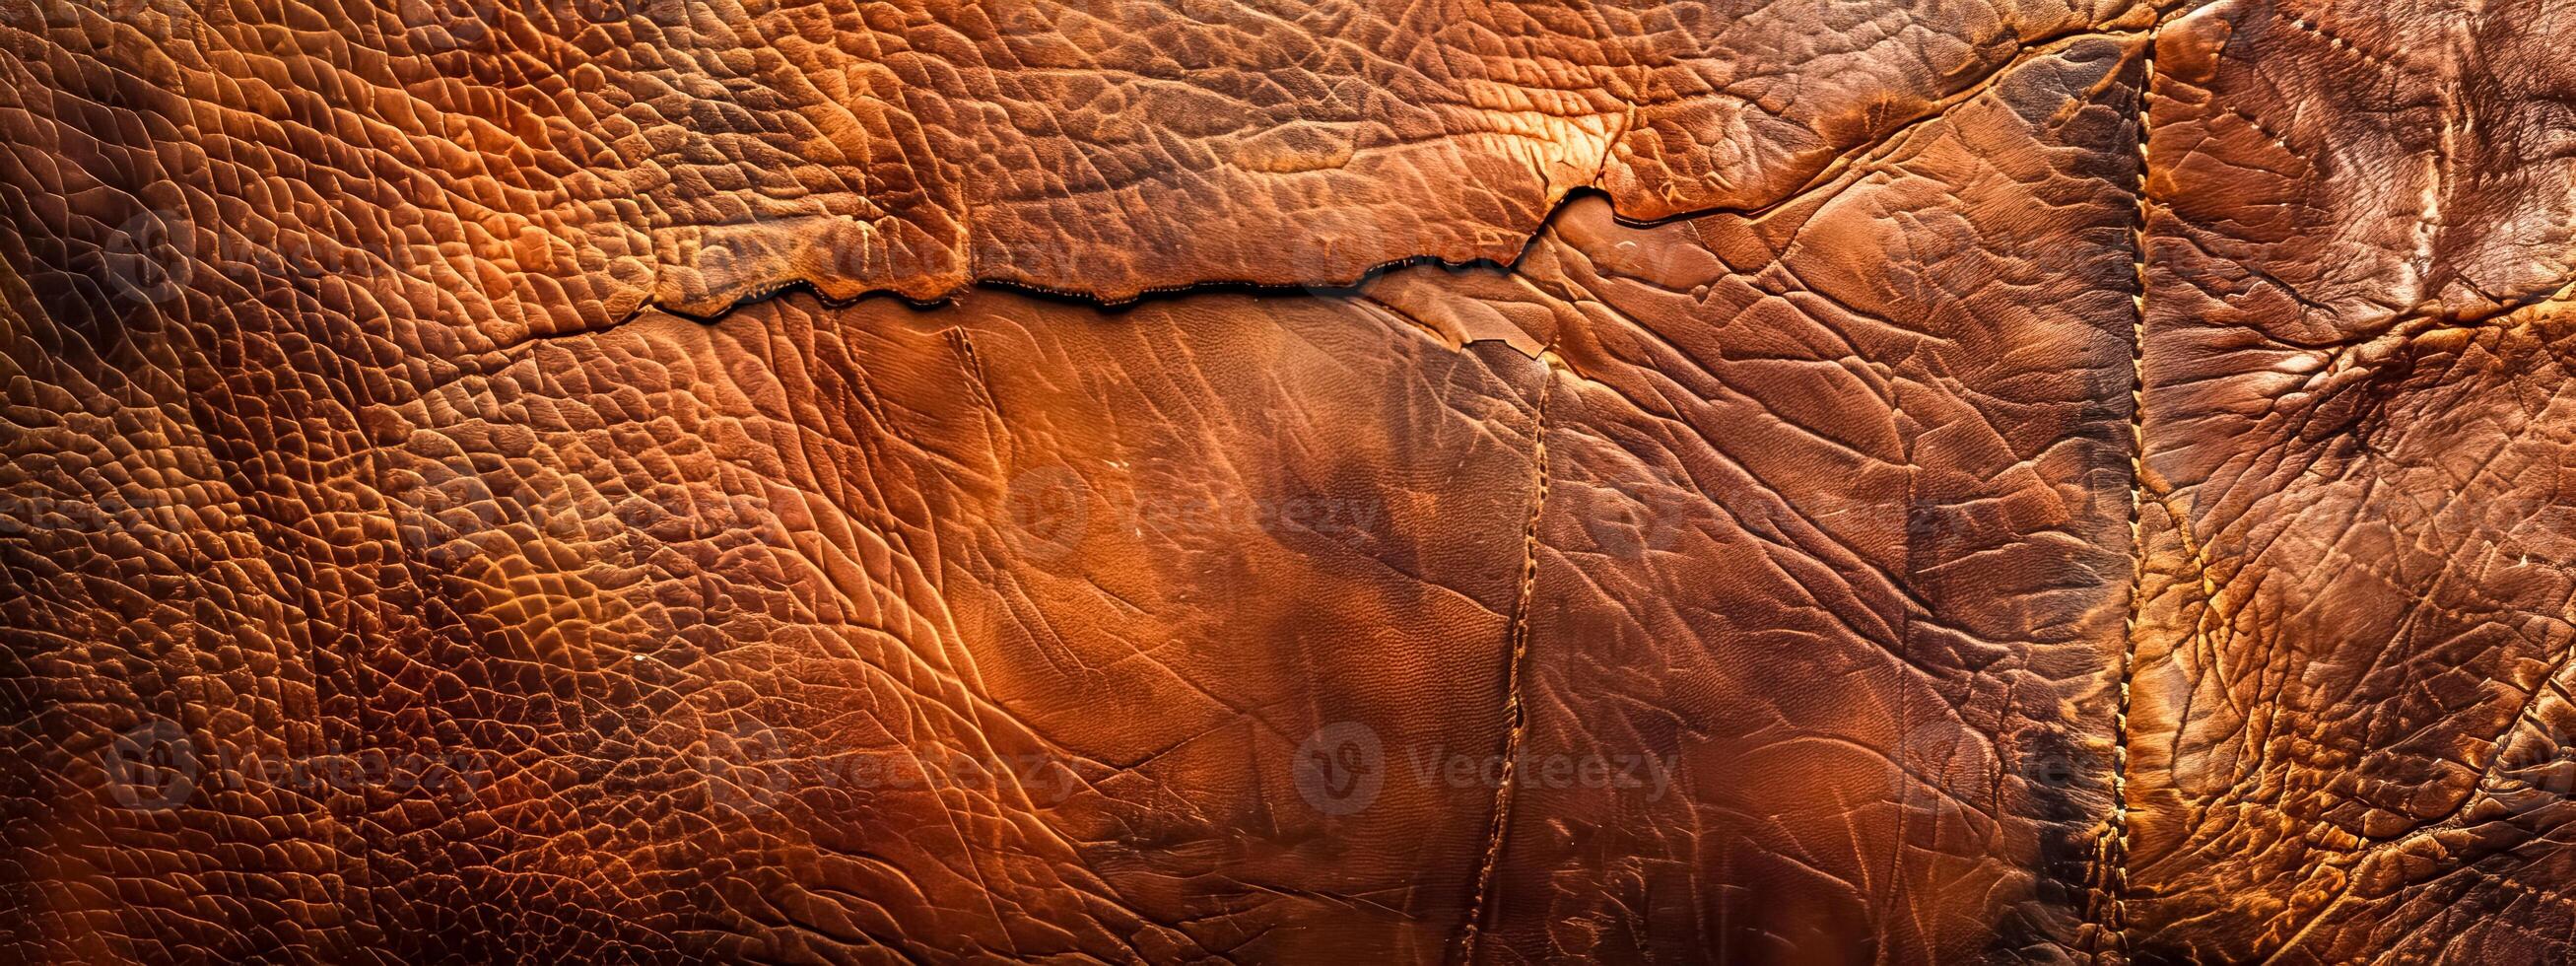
(1874, 148)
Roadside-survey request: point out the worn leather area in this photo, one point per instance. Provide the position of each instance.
(569, 160)
(1382, 482)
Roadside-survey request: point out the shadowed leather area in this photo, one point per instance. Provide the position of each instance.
(1357, 481)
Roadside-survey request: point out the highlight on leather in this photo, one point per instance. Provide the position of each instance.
(1287, 481)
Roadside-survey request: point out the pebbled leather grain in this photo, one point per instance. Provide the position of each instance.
(635, 480)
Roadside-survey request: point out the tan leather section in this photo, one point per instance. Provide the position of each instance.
(1806, 482)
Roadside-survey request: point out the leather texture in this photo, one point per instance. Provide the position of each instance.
(1347, 481)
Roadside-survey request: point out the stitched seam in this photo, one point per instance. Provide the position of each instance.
(1514, 713)
(2115, 845)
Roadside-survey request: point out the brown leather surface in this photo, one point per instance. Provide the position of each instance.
(642, 480)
